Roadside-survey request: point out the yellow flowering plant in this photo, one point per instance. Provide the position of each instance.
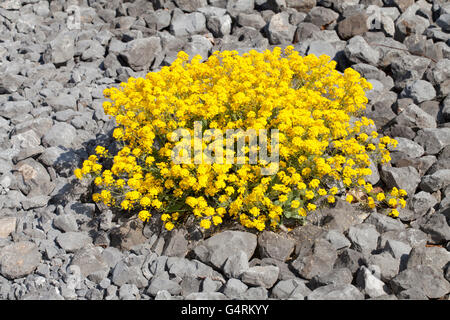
(325, 147)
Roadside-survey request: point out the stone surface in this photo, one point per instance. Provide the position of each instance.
(19, 259)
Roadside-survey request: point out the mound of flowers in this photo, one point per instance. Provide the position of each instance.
(261, 138)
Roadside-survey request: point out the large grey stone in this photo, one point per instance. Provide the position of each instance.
(217, 249)
(261, 276)
(424, 278)
(272, 245)
(19, 259)
(336, 292)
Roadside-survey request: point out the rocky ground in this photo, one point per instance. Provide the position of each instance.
(56, 57)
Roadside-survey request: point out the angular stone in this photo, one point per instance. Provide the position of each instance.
(406, 178)
(272, 245)
(354, 25)
(318, 262)
(236, 265)
(364, 237)
(429, 256)
(19, 259)
(7, 226)
(421, 202)
(261, 276)
(187, 24)
(139, 54)
(339, 276)
(336, 292)
(419, 91)
(358, 51)
(280, 30)
(433, 140)
(321, 16)
(372, 286)
(91, 262)
(73, 241)
(286, 288)
(217, 249)
(426, 279)
(414, 117)
(437, 227)
(61, 134)
(438, 180)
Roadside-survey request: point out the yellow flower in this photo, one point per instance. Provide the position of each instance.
(169, 225)
(78, 173)
(205, 224)
(381, 196)
(349, 198)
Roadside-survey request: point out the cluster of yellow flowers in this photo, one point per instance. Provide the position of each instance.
(325, 147)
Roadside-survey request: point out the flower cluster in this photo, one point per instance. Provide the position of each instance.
(325, 146)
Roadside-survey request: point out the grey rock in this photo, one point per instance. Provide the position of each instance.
(337, 239)
(234, 7)
(66, 223)
(206, 296)
(272, 245)
(321, 16)
(219, 25)
(426, 279)
(318, 48)
(372, 286)
(409, 147)
(187, 24)
(350, 259)
(384, 223)
(287, 288)
(61, 134)
(73, 241)
(162, 282)
(234, 288)
(415, 117)
(220, 247)
(419, 91)
(412, 294)
(264, 276)
(61, 49)
(429, 256)
(407, 68)
(12, 109)
(444, 22)
(255, 293)
(421, 202)
(280, 30)
(399, 250)
(354, 25)
(359, 51)
(301, 5)
(339, 276)
(438, 180)
(190, 5)
(317, 262)
(7, 226)
(364, 237)
(253, 20)
(437, 227)
(433, 140)
(385, 265)
(91, 263)
(236, 265)
(176, 245)
(139, 54)
(406, 178)
(19, 259)
(336, 292)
